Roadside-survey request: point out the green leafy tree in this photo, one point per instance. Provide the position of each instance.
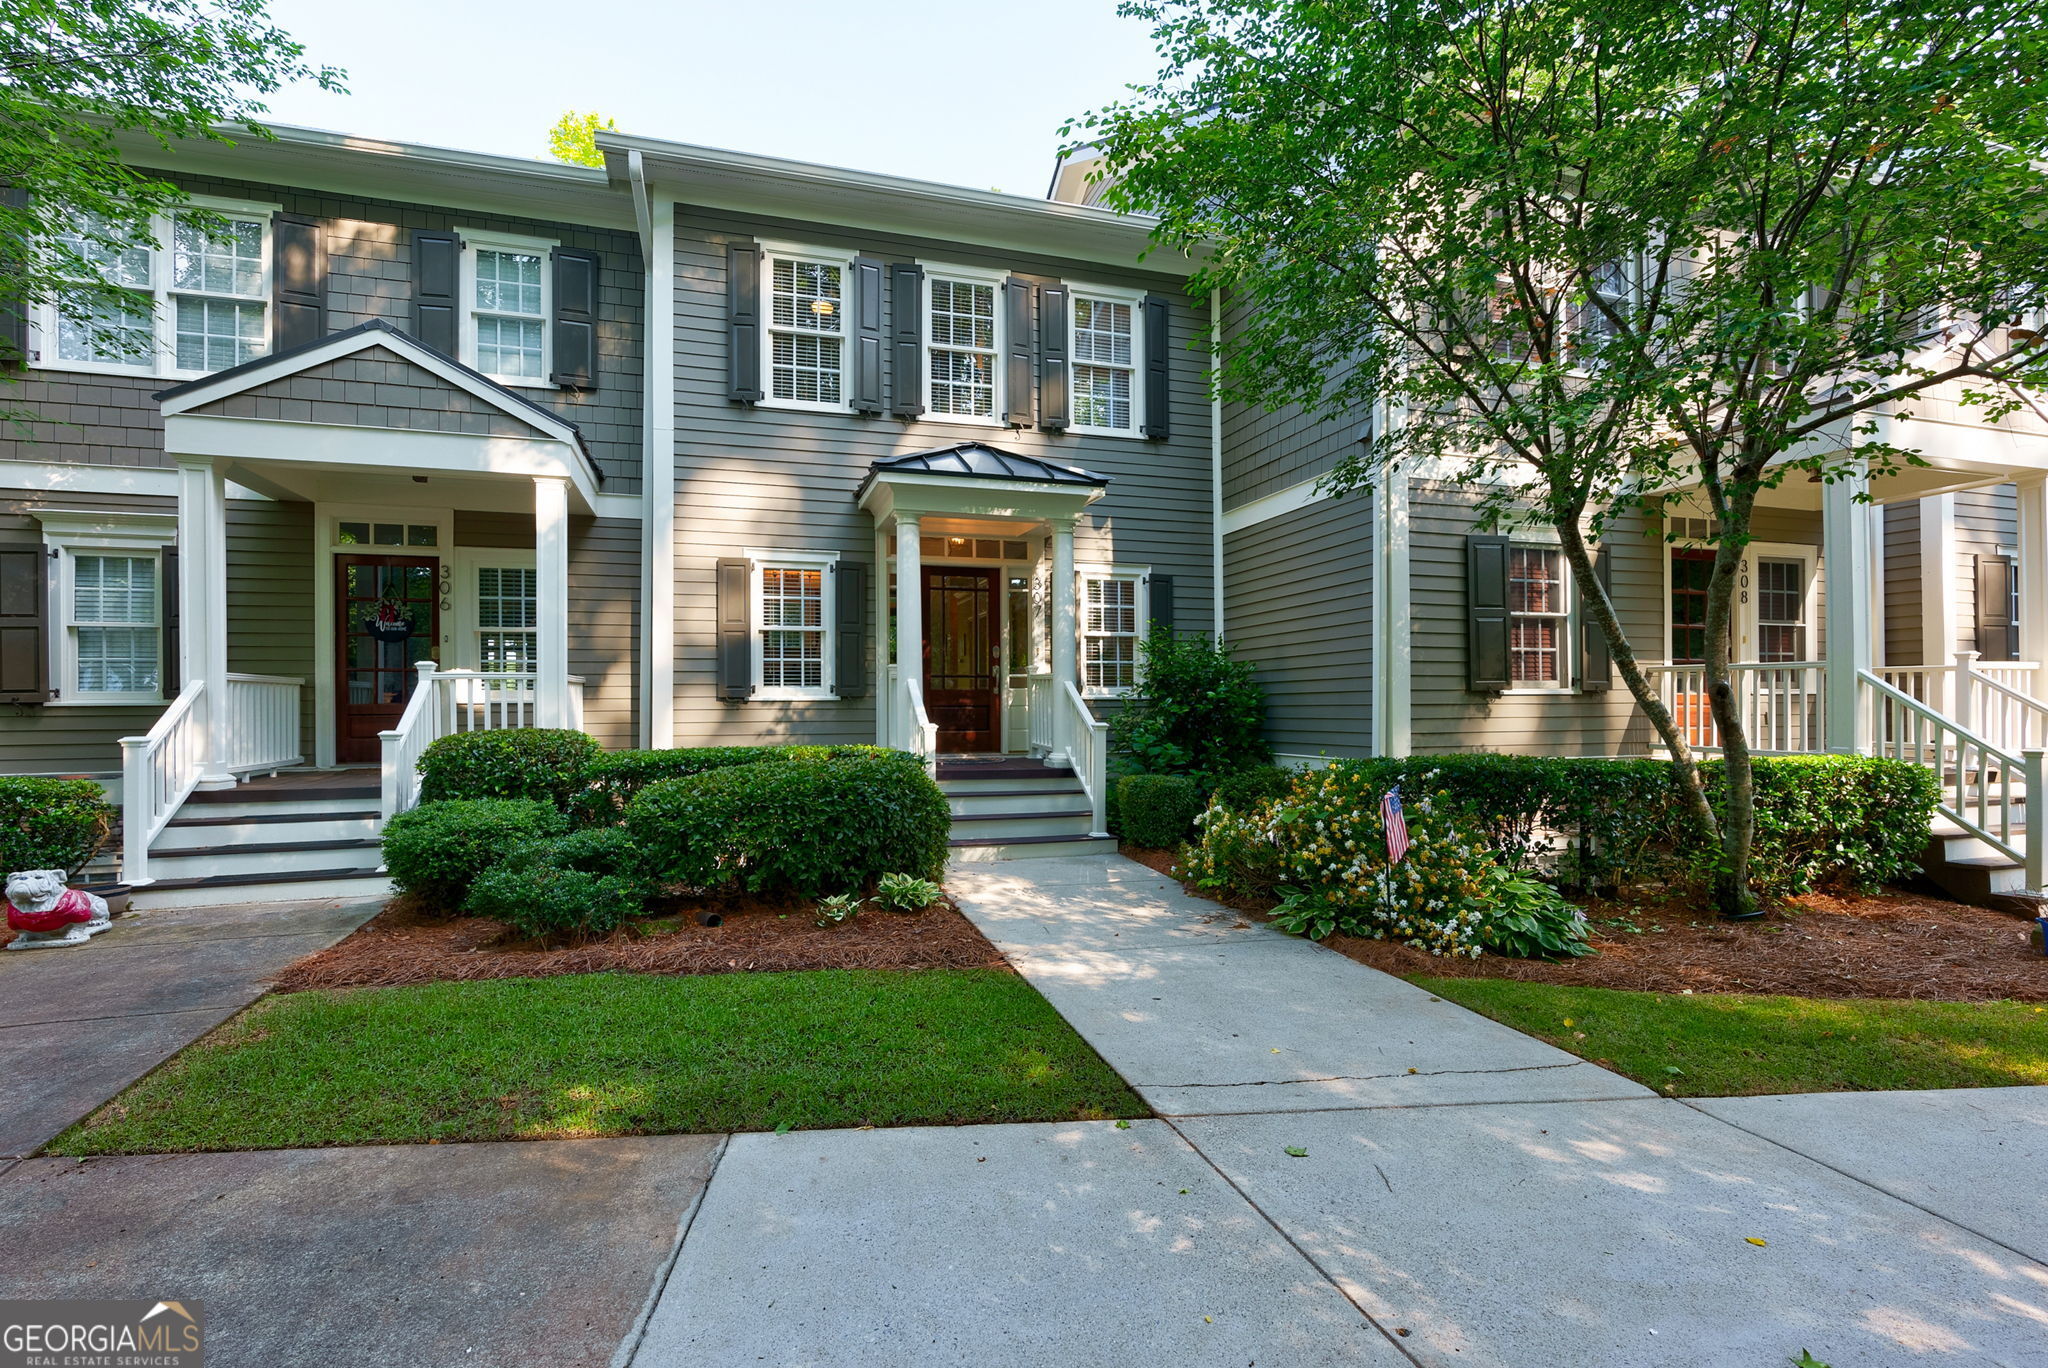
(1585, 254)
(573, 139)
(78, 80)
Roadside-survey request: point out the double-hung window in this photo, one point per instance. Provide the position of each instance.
(793, 626)
(107, 593)
(1111, 609)
(1537, 618)
(505, 324)
(806, 332)
(201, 299)
(1780, 609)
(1105, 346)
(507, 618)
(962, 337)
(1610, 294)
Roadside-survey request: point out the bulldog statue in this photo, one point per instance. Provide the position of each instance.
(45, 912)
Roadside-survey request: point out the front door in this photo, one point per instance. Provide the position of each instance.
(962, 636)
(387, 620)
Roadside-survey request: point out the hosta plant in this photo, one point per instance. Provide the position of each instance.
(838, 909)
(907, 892)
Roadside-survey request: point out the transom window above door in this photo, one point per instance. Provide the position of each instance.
(349, 533)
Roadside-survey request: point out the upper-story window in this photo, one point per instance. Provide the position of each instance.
(204, 297)
(962, 335)
(806, 332)
(1105, 359)
(505, 323)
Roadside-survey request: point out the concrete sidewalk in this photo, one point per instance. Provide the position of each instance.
(81, 1023)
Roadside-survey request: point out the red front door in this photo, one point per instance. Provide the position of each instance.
(375, 665)
(962, 637)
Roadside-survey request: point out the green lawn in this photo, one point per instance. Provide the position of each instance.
(615, 1054)
(1727, 1045)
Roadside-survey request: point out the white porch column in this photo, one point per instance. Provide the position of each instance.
(1940, 616)
(551, 560)
(1065, 634)
(2033, 570)
(909, 625)
(1847, 552)
(203, 605)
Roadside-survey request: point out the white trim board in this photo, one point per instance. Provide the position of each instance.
(56, 477)
(1278, 504)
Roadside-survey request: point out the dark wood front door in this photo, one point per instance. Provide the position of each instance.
(962, 637)
(375, 677)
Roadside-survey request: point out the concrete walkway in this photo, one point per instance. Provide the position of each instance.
(1461, 1195)
(81, 1023)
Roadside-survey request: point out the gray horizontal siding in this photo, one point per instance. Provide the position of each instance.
(604, 625)
(1904, 627)
(375, 387)
(764, 477)
(111, 420)
(1987, 524)
(1298, 597)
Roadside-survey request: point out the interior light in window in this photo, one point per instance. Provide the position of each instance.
(959, 541)
(821, 307)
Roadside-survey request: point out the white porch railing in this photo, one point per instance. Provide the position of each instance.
(258, 717)
(450, 702)
(1090, 756)
(262, 723)
(1783, 706)
(158, 772)
(924, 733)
(1038, 704)
(1980, 780)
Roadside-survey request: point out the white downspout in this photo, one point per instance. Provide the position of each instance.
(657, 223)
(1216, 456)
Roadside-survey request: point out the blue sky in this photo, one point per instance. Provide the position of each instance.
(967, 94)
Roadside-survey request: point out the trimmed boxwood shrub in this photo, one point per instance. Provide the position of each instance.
(1835, 821)
(615, 778)
(438, 849)
(582, 884)
(51, 823)
(824, 821)
(545, 764)
(1157, 809)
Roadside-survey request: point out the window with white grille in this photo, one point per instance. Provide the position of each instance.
(807, 331)
(112, 630)
(507, 618)
(793, 630)
(202, 297)
(961, 348)
(1537, 620)
(508, 312)
(1104, 364)
(1781, 610)
(1109, 632)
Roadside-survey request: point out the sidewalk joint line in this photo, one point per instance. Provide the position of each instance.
(1861, 1181)
(1370, 1078)
(636, 1334)
(132, 1016)
(1295, 1245)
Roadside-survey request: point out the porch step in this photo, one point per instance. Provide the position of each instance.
(1011, 825)
(1011, 771)
(973, 850)
(1055, 796)
(258, 857)
(193, 833)
(346, 884)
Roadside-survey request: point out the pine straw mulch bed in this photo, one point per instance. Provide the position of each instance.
(1896, 944)
(406, 943)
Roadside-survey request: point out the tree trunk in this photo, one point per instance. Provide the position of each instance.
(1730, 884)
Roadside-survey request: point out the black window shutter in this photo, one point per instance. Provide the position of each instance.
(735, 630)
(1053, 408)
(577, 271)
(1486, 613)
(743, 322)
(168, 589)
(13, 307)
(869, 287)
(1998, 636)
(436, 280)
(1161, 587)
(1596, 663)
(849, 629)
(1020, 346)
(906, 339)
(24, 624)
(298, 281)
(1158, 411)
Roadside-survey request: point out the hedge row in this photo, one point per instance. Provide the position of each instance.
(51, 823)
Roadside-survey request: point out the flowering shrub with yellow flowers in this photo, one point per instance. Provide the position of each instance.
(1323, 849)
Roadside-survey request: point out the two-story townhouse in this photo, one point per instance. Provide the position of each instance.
(694, 448)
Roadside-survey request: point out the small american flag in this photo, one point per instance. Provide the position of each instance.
(1396, 825)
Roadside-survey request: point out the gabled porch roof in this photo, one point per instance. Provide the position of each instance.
(372, 399)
